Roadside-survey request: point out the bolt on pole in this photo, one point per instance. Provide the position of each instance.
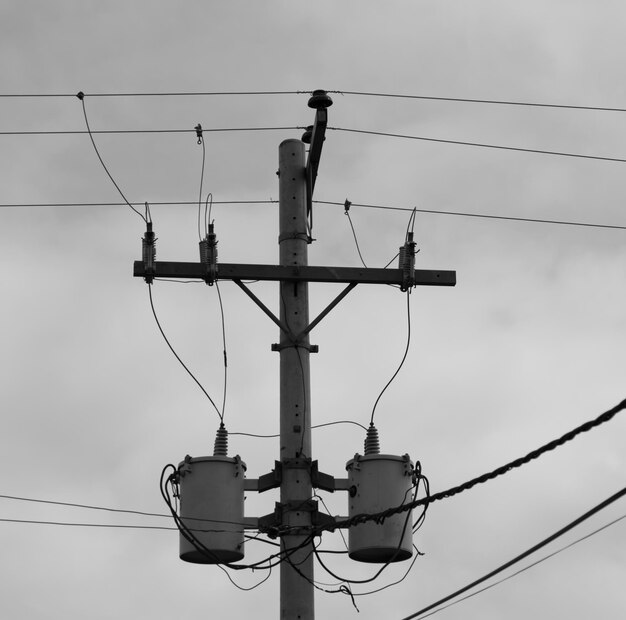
(296, 573)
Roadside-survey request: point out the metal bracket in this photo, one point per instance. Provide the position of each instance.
(311, 348)
(266, 481)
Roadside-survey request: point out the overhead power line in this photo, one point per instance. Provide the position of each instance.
(466, 486)
(478, 144)
(141, 131)
(535, 563)
(503, 102)
(509, 218)
(521, 556)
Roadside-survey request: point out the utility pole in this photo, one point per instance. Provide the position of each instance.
(295, 473)
(296, 574)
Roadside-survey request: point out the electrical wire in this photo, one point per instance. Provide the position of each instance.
(71, 132)
(521, 556)
(161, 94)
(223, 321)
(522, 570)
(312, 427)
(500, 471)
(404, 356)
(308, 92)
(477, 215)
(322, 202)
(93, 142)
(156, 318)
(477, 144)
(483, 101)
(347, 205)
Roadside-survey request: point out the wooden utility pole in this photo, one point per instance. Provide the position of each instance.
(296, 574)
(295, 472)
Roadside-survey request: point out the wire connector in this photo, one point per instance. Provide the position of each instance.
(208, 256)
(198, 129)
(406, 263)
(148, 253)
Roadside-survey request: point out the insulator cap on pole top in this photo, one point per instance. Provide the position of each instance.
(320, 99)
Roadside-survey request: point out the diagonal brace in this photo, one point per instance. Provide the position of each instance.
(326, 311)
(265, 309)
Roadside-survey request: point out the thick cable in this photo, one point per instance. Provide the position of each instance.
(552, 445)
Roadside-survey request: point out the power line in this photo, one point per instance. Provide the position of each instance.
(477, 215)
(466, 486)
(505, 102)
(522, 570)
(98, 525)
(483, 101)
(141, 131)
(161, 94)
(322, 202)
(523, 555)
(477, 144)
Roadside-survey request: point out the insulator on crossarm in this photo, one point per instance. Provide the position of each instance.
(148, 253)
(208, 256)
(372, 444)
(221, 441)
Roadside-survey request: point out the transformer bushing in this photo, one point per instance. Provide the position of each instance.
(379, 482)
(211, 509)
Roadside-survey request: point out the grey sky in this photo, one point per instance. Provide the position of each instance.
(528, 345)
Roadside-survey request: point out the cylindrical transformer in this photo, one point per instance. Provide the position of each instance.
(379, 482)
(211, 509)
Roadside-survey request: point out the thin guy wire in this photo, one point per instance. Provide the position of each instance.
(523, 555)
(522, 570)
(478, 144)
(156, 318)
(117, 187)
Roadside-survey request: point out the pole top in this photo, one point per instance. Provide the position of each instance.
(320, 99)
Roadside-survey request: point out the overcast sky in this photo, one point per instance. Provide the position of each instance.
(528, 345)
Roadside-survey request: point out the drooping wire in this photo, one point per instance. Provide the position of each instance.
(406, 352)
(347, 205)
(156, 318)
(521, 556)
(223, 321)
(312, 427)
(81, 96)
